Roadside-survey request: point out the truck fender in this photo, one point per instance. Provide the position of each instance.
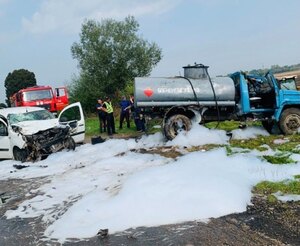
(277, 113)
(281, 109)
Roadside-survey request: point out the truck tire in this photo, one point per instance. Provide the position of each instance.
(175, 124)
(19, 154)
(290, 121)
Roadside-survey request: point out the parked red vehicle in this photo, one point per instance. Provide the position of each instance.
(41, 96)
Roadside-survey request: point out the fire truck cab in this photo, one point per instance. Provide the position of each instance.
(41, 96)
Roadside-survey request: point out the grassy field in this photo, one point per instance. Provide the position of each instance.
(92, 128)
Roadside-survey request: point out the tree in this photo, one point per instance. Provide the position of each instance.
(17, 80)
(110, 54)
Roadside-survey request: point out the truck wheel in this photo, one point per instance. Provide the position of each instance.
(19, 154)
(290, 121)
(175, 124)
(268, 125)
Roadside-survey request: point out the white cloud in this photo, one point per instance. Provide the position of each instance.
(68, 15)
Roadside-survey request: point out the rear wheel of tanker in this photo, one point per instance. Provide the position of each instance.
(175, 124)
(19, 154)
(290, 121)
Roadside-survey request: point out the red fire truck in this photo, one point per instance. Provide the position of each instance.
(41, 96)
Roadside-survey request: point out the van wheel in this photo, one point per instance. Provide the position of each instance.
(20, 154)
(175, 124)
(290, 121)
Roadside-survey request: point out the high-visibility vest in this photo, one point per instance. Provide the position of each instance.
(109, 107)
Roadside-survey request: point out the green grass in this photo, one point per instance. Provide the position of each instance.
(230, 125)
(286, 187)
(92, 127)
(224, 125)
(279, 159)
(272, 199)
(256, 143)
(230, 151)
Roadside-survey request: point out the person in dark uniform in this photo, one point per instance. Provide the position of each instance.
(102, 116)
(139, 119)
(110, 116)
(132, 109)
(138, 116)
(125, 111)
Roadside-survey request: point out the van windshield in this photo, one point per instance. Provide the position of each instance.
(29, 116)
(37, 95)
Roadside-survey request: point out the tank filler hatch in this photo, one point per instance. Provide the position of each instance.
(197, 71)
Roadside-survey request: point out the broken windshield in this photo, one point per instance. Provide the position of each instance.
(29, 116)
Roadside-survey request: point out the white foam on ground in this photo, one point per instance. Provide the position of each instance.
(108, 186)
(199, 135)
(287, 197)
(249, 132)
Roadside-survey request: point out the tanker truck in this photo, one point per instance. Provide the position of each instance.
(196, 96)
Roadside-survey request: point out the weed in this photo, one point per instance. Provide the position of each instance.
(286, 187)
(224, 125)
(271, 198)
(297, 176)
(279, 159)
(205, 147)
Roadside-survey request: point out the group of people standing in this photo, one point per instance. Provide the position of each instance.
(106, 116)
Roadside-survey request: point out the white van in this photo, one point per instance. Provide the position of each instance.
(32, 133)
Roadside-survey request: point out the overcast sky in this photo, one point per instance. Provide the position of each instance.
(227, 35)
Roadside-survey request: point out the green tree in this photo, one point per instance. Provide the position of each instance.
(110, 54)
(17, 80)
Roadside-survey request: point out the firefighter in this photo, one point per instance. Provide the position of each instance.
(110, 116)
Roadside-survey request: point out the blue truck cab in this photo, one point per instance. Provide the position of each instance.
(265, 98)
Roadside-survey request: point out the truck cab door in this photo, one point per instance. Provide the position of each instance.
(5, 147)
(273, 83)
(61, 98)
(72, 116)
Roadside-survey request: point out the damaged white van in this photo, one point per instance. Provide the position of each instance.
(32, 133)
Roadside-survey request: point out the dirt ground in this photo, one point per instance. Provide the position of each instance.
(262, 224)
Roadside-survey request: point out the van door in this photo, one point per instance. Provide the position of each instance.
(61, 98)
(5, 148)
(72, 115)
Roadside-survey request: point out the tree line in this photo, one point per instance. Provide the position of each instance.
(276, 69)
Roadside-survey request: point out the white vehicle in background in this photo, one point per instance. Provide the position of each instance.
(32, 133)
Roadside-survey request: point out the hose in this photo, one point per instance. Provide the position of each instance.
(195, 95)
(213, 90)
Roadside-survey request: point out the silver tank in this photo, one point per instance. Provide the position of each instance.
(150, 91)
